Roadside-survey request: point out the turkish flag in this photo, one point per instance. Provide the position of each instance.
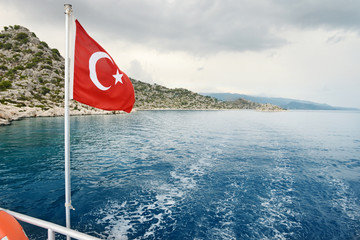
(97, 80)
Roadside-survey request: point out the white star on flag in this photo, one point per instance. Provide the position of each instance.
(118, 77)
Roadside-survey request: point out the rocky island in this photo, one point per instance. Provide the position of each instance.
(32, 84)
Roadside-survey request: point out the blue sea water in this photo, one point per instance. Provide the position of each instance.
(190, 174)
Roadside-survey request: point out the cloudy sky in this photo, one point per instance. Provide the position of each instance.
(307, 49)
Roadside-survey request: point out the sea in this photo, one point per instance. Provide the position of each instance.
(238, 174)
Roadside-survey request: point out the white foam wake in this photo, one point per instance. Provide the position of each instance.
(278, 217)
(157, 205)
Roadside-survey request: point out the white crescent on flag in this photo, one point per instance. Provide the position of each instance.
(96, 56)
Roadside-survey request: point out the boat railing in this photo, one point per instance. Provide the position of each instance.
(51, 227)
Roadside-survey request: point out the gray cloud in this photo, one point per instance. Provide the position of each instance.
(323, 13)
(335, 39)
(194, 26)
(137, 71)
(198, 26)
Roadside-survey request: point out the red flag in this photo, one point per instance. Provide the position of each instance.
(98, 81)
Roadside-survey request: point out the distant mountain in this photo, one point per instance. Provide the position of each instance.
(286, 103)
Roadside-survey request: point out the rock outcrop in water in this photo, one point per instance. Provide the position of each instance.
(32, 85)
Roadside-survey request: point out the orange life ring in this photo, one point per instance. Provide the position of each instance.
(10, 228)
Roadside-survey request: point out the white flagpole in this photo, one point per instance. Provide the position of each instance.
(68, 11)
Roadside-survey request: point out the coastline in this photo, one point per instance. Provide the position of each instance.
(9, 113)
(13, 113)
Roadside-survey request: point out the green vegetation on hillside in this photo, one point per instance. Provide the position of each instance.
(155, 96)
(22, 63)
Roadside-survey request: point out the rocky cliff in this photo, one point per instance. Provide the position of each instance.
(31, 78)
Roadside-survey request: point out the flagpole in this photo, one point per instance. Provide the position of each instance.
(68, 11)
